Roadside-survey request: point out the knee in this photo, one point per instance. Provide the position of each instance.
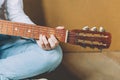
(55, 58)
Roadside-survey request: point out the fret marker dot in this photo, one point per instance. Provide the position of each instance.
(29, 30)
(16, 29)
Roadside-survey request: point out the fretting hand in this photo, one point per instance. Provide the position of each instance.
(50, 43)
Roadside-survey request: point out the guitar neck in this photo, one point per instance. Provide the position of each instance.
(30, 31)
(84, 38)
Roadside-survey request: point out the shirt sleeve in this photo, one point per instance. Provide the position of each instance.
(15, 11)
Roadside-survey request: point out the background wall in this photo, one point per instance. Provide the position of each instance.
(34, 9)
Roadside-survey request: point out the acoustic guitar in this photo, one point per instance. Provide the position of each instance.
(84, 38)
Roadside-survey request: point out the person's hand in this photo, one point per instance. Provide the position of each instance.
(50, 43)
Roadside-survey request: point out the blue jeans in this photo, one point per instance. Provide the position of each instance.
(23, 58)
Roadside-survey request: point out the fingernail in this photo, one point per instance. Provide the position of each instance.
(40, 35)
(51, 35)
(43, 35)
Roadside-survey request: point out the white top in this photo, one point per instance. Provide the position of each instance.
(15, 11)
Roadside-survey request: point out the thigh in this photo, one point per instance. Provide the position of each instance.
(28, 60)
(13, 47)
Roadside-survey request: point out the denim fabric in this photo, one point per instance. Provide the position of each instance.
(23, 58)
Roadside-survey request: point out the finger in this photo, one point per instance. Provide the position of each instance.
(46, 43)
(56, 42)
(52, 44)
(60, 27)
(40, 42)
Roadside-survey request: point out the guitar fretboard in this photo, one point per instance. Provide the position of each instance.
(29, 31)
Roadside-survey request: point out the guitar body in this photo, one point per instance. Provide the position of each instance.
(93, 65)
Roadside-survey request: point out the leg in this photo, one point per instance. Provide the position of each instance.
(28, 60)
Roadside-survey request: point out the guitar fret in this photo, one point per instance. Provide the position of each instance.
(33, 32)
(18, 31)
(4, 28)
(12, 29)
(24, 28)
(33, 28)
(28, 32)
(36, 32)
(15, 30)
(25, 34)
(22, 32)
(1, 28)
(7, 29)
